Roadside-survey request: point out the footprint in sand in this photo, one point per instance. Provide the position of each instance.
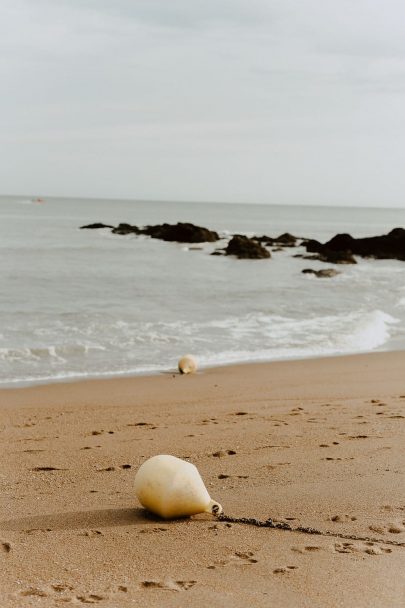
(377, 550)
(91, 533)
(152, 530)
(244, 558)
(207, 421)
(392, 528)
(91, 598)
(343, 518)
(222, 453)
(149, 425)
(284, 570)
(346, 548)
(61, 592)
(169, 585)
(378, 529)
(369, 547)
(34, 592)
(61, 587)
(307, 549)
(239, 558)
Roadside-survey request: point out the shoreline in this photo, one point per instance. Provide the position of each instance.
(314, 442)
(27, 384)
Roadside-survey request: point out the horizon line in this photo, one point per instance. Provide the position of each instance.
(202, 202)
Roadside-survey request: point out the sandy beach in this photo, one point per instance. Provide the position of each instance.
(313, 442)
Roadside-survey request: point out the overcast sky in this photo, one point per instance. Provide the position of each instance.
(278, 101)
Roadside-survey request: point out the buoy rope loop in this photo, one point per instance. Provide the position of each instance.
(269, 523)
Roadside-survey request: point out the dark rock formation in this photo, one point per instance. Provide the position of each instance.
(337, 257)
(321, 274)
(181, 233)
(332, 257)
(126, 229)
(95, 226)
(312, 246)
(267, 240)
(244, 247)
(387, 246)
(286, 239)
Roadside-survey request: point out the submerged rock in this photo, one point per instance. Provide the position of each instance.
(331, 257)
(244, 247)
(325, 273)
(126, 229)
(267, 240)
(337, 257)
(95, 226)
(284, 240)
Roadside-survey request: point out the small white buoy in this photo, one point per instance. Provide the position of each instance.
(187, 365)
(171, 487)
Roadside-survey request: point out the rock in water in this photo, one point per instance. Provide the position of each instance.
(126, 229)
(171, 487)
(386, 246)
(95, 226)
(244, 247)
(187, 365)
(286, 239)
(328, 255)
(337, 257)
(325, 273)
(181, 233)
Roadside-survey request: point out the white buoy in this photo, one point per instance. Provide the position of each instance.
(171, 487)
(187, 365)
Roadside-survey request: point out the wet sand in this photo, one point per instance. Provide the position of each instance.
(316, 443)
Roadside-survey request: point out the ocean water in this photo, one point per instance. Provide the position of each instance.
(87, 303)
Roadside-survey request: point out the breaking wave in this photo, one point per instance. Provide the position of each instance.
(137, 347)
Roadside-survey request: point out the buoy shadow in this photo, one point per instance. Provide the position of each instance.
(100, 518)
